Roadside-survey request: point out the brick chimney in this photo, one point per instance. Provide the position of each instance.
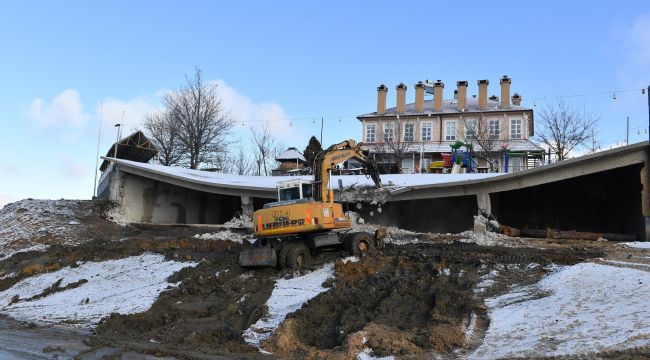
(381, 99)
(401, 98)
(516, 99)
(483, 94)
(505, 92)
(438, 86)
(462, 95)
(419, 96)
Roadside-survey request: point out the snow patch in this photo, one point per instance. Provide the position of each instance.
(588, 307)
(367, 354)
(351, 259)
(124, 286)
(222, 235)
(637, 244)
(287, 297)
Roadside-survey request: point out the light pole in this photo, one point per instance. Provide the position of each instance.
(99, 135)
(118, 126)
(627, 133)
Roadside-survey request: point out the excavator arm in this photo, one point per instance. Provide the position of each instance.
(336, 154)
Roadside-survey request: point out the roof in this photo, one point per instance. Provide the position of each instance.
(405, 186)
(291, 154)
(265, 186)
(449, 106)
(444, 147)
(135, 147)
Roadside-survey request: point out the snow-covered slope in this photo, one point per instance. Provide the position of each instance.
(95, 290)
(577, 309)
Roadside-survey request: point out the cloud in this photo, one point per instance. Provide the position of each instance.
(72, 168)
(638, 39)
(629, 44)
(253, 114)
(134, 110)
(5, 199)
(8, 168)
(65, 109)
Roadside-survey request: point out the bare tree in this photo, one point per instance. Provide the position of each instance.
(203, 124)
(164, 135)
(485, 138)
(593, 143)
(563, 127)
(241, 163)
(266, 148)
(395, 141)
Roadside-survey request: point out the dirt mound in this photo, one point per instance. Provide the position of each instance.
(413, 300)
(405, 305)
(36, 224)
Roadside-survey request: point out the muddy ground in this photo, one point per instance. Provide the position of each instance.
(413, 300)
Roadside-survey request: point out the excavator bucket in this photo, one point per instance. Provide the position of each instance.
(258, 256)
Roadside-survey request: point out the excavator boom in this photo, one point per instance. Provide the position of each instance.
(336, 154)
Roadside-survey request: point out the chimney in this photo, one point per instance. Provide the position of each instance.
(462, 95)
(482, 94)
(419, 96)
(381, 99)
(401, 97)
(516, 99)
(505, 92)
(438, 86)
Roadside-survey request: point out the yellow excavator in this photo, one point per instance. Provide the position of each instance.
(305, 219)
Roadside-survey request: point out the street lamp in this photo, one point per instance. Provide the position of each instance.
(119, 127)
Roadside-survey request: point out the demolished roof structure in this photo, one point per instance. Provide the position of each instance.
(135, 147)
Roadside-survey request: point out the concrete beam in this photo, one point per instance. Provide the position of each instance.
(611, 159)
(200, 186)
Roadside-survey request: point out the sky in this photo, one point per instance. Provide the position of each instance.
(66, 66)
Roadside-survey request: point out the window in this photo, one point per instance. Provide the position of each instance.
(389, 132)
(470, 129)
(450, 130)
(515, 129)
(371, 130)
(495, 132)
(409, 132)
(426, 131)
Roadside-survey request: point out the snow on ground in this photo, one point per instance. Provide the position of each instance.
(638, 244)
(287, 297)
(577, 309)
(366, 354)
(124, 286)
(223, 235)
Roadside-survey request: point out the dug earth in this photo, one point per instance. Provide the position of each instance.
(422, 296)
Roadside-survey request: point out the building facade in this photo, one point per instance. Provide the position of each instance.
(408, 137)
(290, 162)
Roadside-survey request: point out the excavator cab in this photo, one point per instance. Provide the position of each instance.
(295, 190)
